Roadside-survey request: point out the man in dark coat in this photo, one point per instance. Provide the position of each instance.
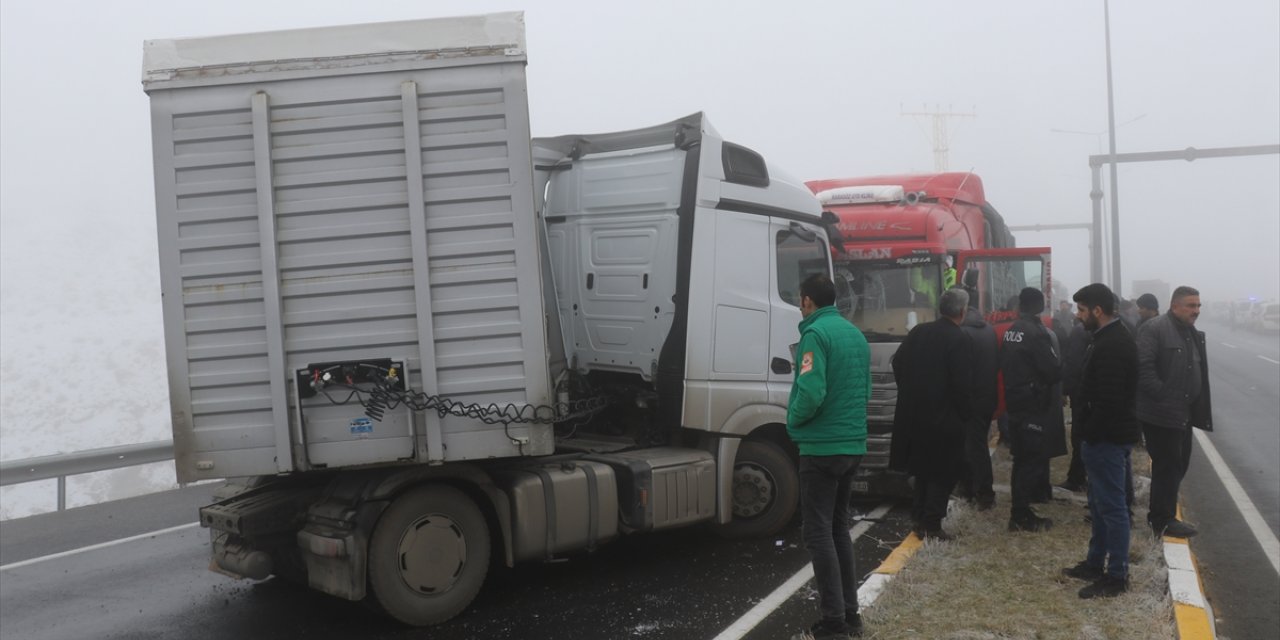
(1072, 368)
(976, 480)
(1063, 320)
(1148, 308)
(1173, 397)
(932, 369)
(1109, 428)
(1032, 371)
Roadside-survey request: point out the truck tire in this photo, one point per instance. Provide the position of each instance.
(766, 491)
(429, 555)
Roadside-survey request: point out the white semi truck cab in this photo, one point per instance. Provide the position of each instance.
(416, 340)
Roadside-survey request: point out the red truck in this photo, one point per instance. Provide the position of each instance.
(906, 239)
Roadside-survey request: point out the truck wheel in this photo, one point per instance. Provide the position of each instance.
(429, 555)
(766, 491)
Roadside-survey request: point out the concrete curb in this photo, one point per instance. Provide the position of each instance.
(875, 583)
(1191, 610)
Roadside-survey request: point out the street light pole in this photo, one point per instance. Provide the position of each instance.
(1111, 128)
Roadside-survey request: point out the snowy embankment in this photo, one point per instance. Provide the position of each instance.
(82, 367)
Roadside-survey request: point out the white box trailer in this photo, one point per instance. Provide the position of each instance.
(410, 335)
(338, 194)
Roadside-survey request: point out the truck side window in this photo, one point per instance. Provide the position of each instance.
(1005, 279)
(798, 259)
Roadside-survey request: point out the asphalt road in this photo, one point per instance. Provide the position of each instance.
(681, 584)
(1240, 581)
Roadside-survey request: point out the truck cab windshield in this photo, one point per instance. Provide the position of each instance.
(886, 298)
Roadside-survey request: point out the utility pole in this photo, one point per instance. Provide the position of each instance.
(1115, 188)
(941, 136)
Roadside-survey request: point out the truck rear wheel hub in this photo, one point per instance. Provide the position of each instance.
(433, 552)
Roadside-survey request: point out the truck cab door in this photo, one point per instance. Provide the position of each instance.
(999, 274)
(798, 250)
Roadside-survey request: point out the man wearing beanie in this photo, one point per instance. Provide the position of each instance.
(1148, 308)
(1031, 367)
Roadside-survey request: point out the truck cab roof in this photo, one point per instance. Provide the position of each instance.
(962, 186)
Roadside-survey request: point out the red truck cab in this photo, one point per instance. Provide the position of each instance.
(907, 238)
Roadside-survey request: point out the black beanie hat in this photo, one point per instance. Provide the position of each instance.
(1030, 300)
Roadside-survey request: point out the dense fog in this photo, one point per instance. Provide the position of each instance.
(823, 89)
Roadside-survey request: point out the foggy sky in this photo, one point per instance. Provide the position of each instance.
(817, 87)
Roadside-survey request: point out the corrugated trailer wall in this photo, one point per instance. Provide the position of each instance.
(343, 211)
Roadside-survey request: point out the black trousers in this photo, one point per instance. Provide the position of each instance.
(977, 476)
(930, 504)
(1030, 463)
(1170, 451)
(825, 484)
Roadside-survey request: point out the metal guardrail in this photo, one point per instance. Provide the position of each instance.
(70, 464)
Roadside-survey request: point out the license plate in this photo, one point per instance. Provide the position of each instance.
(860, 486)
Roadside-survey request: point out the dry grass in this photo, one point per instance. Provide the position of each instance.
(990, 583)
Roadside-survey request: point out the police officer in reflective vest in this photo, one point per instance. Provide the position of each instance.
(1031, 368)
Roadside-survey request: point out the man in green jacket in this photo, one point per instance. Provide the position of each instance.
(827, 419)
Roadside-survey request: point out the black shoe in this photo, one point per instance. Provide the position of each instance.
(1029, 521)
(1174, 529)
(1073, 487)
(1105, 587)
(933, 534)
(1084, 571)
(986, 503)
(854, 622)
(822, 631)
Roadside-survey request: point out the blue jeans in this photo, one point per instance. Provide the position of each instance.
(825, 483)
(1107, 466)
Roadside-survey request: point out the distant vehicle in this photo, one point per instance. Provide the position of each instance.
(1270, 317)
(906, 239)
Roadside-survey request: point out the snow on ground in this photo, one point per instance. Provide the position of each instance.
(81, 359)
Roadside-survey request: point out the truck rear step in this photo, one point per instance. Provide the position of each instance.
(262, 511)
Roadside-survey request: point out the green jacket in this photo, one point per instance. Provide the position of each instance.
(827, 412)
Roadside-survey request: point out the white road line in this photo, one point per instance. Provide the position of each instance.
(1270, 360)
(1270, 544)
(771, 602)
(92, 547)
(1229, 345)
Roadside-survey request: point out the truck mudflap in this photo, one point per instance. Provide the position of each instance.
(336, 559)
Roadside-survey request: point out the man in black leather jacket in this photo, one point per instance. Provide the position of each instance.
(1173, 397)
